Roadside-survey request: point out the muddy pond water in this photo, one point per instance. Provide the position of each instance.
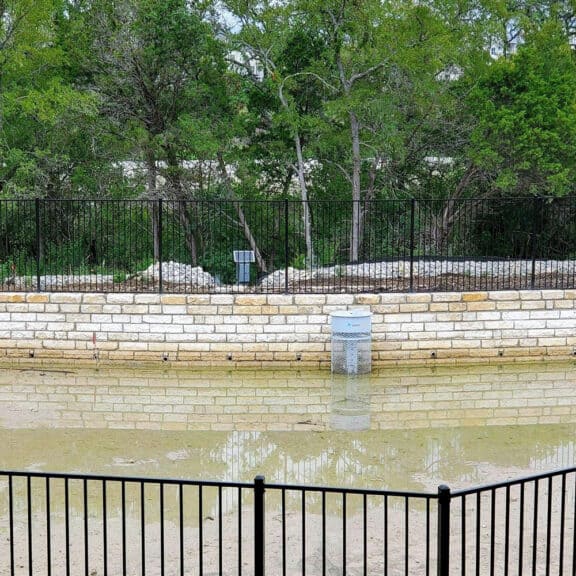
(462, 425)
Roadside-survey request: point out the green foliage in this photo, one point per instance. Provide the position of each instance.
(384, 99)
(526, 111)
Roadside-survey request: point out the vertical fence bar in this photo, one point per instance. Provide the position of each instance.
(533, 242)
(142, 529)
(67, 523)
(286, 255)
(160, 245)
(38, 241)
(239, 533)
(220, 540)
(48, 529)
(11, 524)
(303, 532)
(104, 528)
(123, 512)
(162, 544)
(344, 534)
(444, 498)
(181, 526)
(259, 550)
(29, 514)
(323, 533)
(85, 513)
(412, 237)
(200, 531)
(283, 532)
(535, 529)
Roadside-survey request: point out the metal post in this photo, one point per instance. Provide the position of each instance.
(259, 550)
(286, 255)
(444, 498)
(412, 219)
(38, 242)
(537, 209)
(160, 245)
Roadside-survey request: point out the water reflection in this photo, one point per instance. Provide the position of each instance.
(457, 424)
(399, 398)
(416, 459)
(350, 408)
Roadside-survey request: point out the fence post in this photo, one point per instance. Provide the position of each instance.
(259, 549)
(286, 255)
(444, 498)
(412, 220)
(38, 242)
(537, 219)
(160, 245)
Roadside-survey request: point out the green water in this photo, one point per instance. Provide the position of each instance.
(402, 456)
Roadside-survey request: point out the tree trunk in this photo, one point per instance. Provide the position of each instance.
(260, 262)
(181, 208)
(305, 205)
(356, 189)
(303, 188)
(185, 222)
(151, 175)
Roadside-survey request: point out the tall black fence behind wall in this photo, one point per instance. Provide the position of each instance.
(83, 525)
(402, 245)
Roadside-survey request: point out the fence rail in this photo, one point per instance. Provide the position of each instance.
(323, 247)
(87, 524)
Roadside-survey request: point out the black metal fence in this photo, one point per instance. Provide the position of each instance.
(87, 525)
(323, 246)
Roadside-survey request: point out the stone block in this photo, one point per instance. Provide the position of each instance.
(423, 307)
(120, 298)
(135, 309)
(173, 300)
(339, 300)
(174, 309)
(146, 299)
(222, 299)
(367, 299)
(474, 297)
(250, 300)
(37, 298)
(12, 298)
(418, 298)
(504, 295)
(205, 310)
(198, 300)
(66, 298)
(446, 297)
(481, 306)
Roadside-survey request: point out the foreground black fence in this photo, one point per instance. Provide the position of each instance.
(285, 246)
(74, 524)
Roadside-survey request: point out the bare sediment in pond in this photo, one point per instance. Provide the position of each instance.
(409, 460)
(462, 426)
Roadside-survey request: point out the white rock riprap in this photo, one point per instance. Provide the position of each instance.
(52, 282)
(278, 279)
(435, 268)
(176, 273)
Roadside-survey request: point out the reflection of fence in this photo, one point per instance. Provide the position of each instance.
(391, 245)
(74, 524)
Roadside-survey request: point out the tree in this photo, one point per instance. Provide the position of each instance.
(526, 119)
(40, 107)
(158, 69)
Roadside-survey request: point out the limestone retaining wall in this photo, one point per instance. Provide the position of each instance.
(293, 330)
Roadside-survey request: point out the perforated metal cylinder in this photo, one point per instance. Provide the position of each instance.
(351, 342)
